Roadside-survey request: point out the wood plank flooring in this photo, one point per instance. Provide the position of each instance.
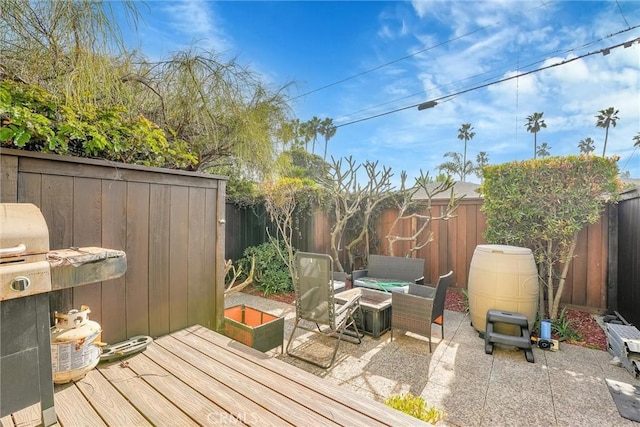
(198, 377)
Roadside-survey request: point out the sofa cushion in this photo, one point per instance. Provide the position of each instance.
(398, 268)
(387, 285)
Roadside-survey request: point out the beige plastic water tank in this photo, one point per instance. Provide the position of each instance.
(502, 278)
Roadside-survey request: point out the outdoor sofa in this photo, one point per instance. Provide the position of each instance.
(390, 274)
(339, 281)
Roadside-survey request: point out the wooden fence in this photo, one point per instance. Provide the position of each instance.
(245, 227)
(169, 223)
(626, 266)
(250, 226)
(455, 240)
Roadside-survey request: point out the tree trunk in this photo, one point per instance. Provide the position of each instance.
(357, 240)
(334, 250)
(464, 162)
(555, 304)
(547, 283)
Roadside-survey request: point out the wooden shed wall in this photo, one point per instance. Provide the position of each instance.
(168, 223)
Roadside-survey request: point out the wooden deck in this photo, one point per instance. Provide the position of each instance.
(198, 377)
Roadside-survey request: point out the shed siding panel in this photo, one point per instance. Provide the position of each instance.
(87, 231)
(159, 253)
(30, 189)
(114, 236)
(57, 208)
(196, 282)
(178, 263)
(8, 179)
(93, 202)
(210, 233)
(221, 238)
(137, 281)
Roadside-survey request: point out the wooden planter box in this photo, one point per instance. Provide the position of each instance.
(252, 327)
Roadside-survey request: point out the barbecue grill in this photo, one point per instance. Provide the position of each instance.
(28, 272)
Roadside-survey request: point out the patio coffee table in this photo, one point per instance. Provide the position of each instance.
(374, 317)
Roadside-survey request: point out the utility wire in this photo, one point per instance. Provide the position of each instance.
(623, 17)
(408, 56)
(392, 62)
(629, 159)
(433, 102)
(537, 61)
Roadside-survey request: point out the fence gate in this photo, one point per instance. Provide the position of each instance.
(628, 295)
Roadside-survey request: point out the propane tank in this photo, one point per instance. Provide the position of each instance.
(74, 349)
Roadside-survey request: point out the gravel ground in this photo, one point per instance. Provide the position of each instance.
(585, 324)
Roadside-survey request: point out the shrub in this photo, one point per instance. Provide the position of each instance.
(35, 120)
(415, 406)
(271, 275)
(563, 326)
(465, 295)
(542, 205)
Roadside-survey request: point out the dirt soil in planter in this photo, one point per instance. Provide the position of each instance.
(583, 323)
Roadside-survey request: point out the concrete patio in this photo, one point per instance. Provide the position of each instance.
(563, 388)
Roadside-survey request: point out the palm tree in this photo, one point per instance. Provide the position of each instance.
(455, 165)
(303, 130)
(328, 130)
(313, 129)
(465, 133)
(586, 146)
(606, 118)
(482, 159)
(543, 150)
(636, 140)
(291, 134)
(534, 124)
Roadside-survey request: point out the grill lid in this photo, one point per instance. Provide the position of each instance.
(27, 266)
(23, 230)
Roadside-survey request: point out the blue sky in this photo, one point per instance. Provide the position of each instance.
(462, 44)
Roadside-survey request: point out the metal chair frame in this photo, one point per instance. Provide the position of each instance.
(315, 303)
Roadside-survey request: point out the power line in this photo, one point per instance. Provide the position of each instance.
(392, 62)
(629, 159)
(409, 56)
(536, 61)
(623, 17)
(433, 102)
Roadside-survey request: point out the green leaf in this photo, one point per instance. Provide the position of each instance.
(22, 137)
(5, 96)
(6, 134)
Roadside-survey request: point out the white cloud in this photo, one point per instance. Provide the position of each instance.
(520, 36)
(196, 21)
(385, 32)
(542, 38)
(430, 86)
(190, 16)
(393, 23)
(525, 86)
(423, 7)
